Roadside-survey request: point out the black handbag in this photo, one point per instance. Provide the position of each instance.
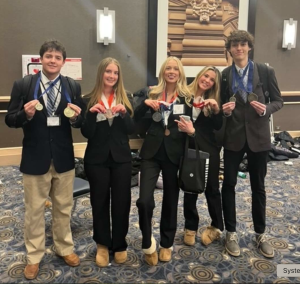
(193, 170)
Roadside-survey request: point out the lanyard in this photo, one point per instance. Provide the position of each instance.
(51, 102)
(166, 109)
(110, 100)
(37, 85)
(237, 81)
(167, 106)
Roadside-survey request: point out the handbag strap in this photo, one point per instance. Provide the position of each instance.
(187, 140)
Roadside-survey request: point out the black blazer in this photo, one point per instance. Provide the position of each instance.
(174, 143)
(245, 124)
(41, 143)
(205, 127)
(104, 139)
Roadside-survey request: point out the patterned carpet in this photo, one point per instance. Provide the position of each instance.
(188, 265)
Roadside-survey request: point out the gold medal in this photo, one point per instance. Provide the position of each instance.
(252, 97)
(167, 132)
(68, 112)
(39, 106)
(232, 99)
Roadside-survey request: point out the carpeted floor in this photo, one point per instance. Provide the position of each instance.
(188, 265)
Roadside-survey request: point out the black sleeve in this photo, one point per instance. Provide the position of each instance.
(217, 120)
(140, 108)
(88, 126)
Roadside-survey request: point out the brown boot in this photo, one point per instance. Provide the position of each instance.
(120, 256)
(71, 259)
(102, 257)
(151, 259)
(189, 237)
(210, 234)
(151, 256)
(165, 254)
(31, 271)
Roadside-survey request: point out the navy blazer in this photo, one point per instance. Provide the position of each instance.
(41, 143)
(104, 139)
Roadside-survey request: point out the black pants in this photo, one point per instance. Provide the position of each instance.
(149, 174)
(212, 194)
(110, 183)
(257, 166)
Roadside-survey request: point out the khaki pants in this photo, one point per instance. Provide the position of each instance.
(36, 190)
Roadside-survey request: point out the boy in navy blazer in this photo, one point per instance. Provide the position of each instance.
(46, 109)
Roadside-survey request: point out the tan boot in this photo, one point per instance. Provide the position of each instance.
(31, 271)
(151, 259)
(102, 257)
(165, 254)
(120, 256)
(210, 234)
(151, 256)
(189, 237)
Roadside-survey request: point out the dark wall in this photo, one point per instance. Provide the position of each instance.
(270, 15)
(24, 25)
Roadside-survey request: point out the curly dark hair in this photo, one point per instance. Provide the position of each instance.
(239, 36)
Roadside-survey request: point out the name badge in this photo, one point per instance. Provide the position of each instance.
(178, 109)
(100, 117)
(53, 121)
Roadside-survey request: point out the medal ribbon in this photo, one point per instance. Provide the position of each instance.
(199, 105)
(237, 80)
(37, 85)
(166, 109)
(109, 101)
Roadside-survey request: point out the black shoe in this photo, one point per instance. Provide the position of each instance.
(263, 246)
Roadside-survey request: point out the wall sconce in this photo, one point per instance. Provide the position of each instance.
(106, 26)
(289, 34)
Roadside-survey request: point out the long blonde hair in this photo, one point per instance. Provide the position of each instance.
(121, 96)
(214, 91)
(181, 86)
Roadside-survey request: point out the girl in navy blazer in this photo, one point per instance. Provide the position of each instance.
(107, 160)
(162, 149)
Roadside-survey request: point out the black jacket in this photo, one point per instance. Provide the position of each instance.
(41, 143)
(174, 143)
(104, 139)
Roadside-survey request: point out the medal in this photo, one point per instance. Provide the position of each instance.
(167, 132)
(68, 112)
(39, 106)
(157, 117)
(232, 99)
(108, 114)
(252, 97)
